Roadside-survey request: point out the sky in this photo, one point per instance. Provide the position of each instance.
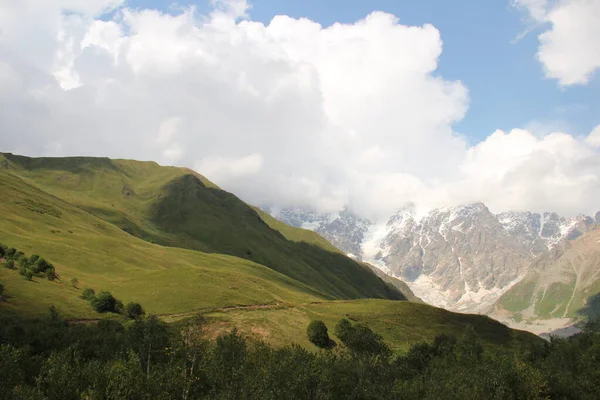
(366, 105)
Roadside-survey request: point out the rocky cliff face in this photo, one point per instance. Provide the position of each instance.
(460, 258)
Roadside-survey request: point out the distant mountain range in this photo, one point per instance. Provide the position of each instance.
(466, 258)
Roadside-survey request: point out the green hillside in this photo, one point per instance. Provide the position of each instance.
(558, 284)
(176, 207)
(103, 257)
(171, 240)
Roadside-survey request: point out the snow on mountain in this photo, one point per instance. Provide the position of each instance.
(461, 258)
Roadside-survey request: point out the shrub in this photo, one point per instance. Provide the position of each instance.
(10, 252)
(343, 329)
(360, 338)
(51, 274)
(74, 282)
(22, 270)
(10, 264)
(33, 259)
(23, 262)
(18, 255)
(41, 266)
(1, 289)
(134, 310)
(2, 250)
(104, 302)
(317, 333)
(119, 308)
(28, 275)
(88, 294)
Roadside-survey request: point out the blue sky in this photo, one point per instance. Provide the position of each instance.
(506, 82)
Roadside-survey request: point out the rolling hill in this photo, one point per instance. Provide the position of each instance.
(172, 240)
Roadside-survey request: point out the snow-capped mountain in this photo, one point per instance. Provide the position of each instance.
(343, 229)
(460, 258)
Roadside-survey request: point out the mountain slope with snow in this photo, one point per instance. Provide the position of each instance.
(460, 258)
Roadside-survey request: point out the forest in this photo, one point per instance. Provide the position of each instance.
(48, 358)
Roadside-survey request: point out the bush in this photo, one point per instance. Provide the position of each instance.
(74, 282)
(10, 252)
(23, 262)
(119, 308)
(134, 310)
(41, 266)
(104, 302)
(33, 259)
(317, 333)
(22, 270)
(51, 274)
(10, 264)
(28, 275)
(360, 338)
(343, 329)
(1, 289)
(88, 294)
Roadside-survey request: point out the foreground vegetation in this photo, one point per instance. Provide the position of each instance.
(148, 359)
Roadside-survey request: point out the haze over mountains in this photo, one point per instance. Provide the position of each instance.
(462, 258)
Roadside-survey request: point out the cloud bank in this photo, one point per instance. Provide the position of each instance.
(288, 113)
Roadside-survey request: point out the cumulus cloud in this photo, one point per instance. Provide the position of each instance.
(289, 113)
(569, 47)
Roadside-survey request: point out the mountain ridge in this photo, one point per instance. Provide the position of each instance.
(462, 258)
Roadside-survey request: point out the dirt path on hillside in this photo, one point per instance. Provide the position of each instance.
(209, 310)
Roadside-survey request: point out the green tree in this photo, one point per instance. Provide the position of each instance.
(28, 275)
(33, 259)
(317, 333)
(51, 274)
(343, 329)
(149, 338)
(22, 263)
(88, 294)
(134, 310)
(104, 302)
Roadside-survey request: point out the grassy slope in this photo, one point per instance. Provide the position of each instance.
(174, 207)
(559, 282)
(102, 256)
(168, 280)
(402, 324)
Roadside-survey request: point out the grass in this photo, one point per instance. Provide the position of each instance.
(171, 240)
(175, 207)
(103, 257)
(402, 324)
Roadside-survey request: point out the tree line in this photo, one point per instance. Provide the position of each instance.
(49, 359)
(27, 266)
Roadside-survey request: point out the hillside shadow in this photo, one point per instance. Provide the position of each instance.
(212, 220)
(591, 312)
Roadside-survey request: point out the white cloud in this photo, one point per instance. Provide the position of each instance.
(569, 47)
(291, 112)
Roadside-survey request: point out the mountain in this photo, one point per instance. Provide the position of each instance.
(461, 258)
(556, 286)
(171, 240)
(178, 208)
